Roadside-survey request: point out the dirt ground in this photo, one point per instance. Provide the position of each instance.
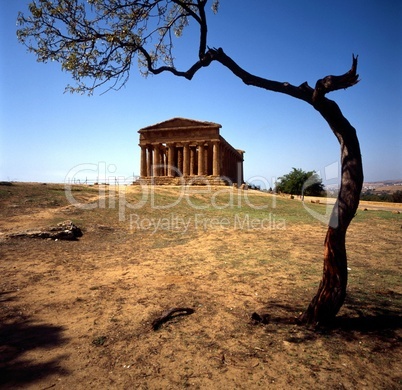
(78, 314)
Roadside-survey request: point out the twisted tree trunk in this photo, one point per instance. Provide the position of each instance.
(332, 289)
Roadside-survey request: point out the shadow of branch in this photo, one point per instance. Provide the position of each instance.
(19, 336)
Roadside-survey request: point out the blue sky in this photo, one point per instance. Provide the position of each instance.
(45, 133)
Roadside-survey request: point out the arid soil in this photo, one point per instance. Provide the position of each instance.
(78, 314)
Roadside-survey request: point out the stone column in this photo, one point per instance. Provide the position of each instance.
(171, 171)
(149, 161)
(239, 172)
(180, 160)
(186, 159)
(206, 159)
(201, 163)
(240, 165)
(165, 161)
(192, 160)
(216, 159)
(162, 161)
(156, 161)
(143, 166)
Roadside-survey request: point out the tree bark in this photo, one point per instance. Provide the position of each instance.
(332, 290)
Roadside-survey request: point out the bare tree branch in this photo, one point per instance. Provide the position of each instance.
(333, 83)
(303, 92)
(188, 74)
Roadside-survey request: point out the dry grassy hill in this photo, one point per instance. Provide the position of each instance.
(78, 314)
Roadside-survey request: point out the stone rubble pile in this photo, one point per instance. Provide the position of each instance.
(63, 231)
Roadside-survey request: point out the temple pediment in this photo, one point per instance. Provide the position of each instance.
(181, 123)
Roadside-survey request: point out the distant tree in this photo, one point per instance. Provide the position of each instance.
(370, 195)
(397, 196)
(298, 182)
(97, 41)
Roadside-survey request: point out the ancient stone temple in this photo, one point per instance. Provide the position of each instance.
(185, 150)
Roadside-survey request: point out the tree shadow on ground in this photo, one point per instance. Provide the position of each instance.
(5, 297)
(370, 314)
(18, 336)
(376, 320)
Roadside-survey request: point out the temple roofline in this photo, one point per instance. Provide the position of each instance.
(178, 122)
